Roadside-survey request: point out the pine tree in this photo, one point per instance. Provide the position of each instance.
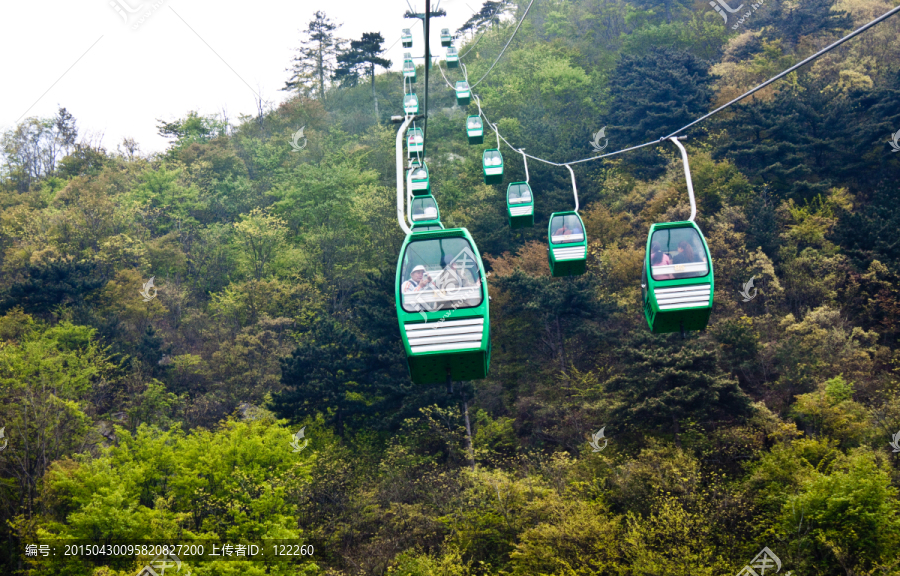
(361, 58)
(663, 382)
(652, 96)
(316, 59)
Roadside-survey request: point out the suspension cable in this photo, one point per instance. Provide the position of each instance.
(815, 56)
(507, 45)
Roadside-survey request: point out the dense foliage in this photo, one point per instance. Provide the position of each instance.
(171, 417)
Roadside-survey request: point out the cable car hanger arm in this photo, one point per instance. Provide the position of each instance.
(687, 175)
(400, 211)
(574, 188)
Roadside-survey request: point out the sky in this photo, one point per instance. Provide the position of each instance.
(118, 77)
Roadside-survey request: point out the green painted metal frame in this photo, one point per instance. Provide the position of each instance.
(566, 267)
(432, 367)
(666, 321)
(495, 176)
(521, 220)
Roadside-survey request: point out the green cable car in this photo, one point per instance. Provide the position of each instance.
(409, 70)
(568, 244)
(452, 57)
(415, 142)
(419, 180)
(520, 205)
(446, 38)
(442, 307)
(406, 38)
(411, 104)
(463, 94)
(426, 227)
(475, 130)
(492, 163)
(424, 210)
(677, 282)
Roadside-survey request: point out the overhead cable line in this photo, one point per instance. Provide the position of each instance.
(499, 5)
(818, 54)
(507, 45)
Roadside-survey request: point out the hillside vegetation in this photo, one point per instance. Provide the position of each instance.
(172, 417)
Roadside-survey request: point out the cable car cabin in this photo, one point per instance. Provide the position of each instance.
(426, 227)
(463, 94)
(677, 281)
(406, 38)
(520, 205)
(492, 161)
(418, 179)
(407, 55)
(475, 130)
(415, 142)
(411, 104)
(568, 244)
(446, 38)
(452, 57)
(409, 70)
(442, 307)
(424, 209)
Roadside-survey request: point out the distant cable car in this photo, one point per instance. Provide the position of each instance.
(415, 142)
(492, 163)
(446, 38)
(475, 130)
(424, 210)
(519, 205)
(442, 307)
(409, 70)
(463, 94)
(419, 181)
(452, 57)
(407, 56)
(677, 282)
(411, 104)
(406, 38)
(568, 244)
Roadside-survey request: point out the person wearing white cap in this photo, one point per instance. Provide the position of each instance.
(415, 282)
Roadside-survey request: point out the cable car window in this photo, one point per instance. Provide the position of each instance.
(464, 86)
(440, 274)
(474, 123)
(677, 253)
(519, 193)
(451, 51)
(566, 229)
(492, 158)
(419, 174)
(424, 209)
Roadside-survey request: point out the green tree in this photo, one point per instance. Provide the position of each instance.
(316, 58)
(363, 55)
(660, 384)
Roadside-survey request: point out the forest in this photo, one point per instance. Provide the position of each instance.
(257, 389)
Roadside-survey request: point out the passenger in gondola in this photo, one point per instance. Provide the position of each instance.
(416, 283)
(659, 258)
(563, 231)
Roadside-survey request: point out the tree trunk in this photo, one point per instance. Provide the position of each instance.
(374, 97)
(469, 448)
(675, 428)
